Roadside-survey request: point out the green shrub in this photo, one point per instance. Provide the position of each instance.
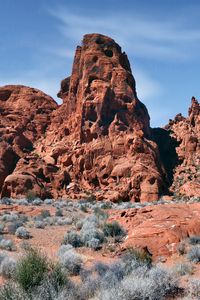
(100, 214)
(56, 276)
(31, 269)
(106, 205)
(84, 208)
(113, 229)
(45, 214)
(135, 258)
(59, 212)
(31, 196)
(72, 238)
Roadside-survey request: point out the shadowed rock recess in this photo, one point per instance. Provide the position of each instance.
(99, 140)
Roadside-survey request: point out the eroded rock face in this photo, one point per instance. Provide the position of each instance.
(100, 95)
(101, 132)
(159, 228)
(98, 141)
(186, 131)
(24, 117)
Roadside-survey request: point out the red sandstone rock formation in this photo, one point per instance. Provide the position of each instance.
(159, 228)
(100, 135)
(98, 141)
(186, 131)
(24, 117)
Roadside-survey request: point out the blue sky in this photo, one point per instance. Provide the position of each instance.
(161, 38)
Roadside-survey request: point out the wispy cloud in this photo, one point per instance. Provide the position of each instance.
(148, 40)
(147, 87)
(146, 37)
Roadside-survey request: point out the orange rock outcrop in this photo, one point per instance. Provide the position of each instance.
(97, 142)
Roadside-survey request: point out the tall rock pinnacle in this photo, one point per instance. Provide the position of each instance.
(98, 141)
(100, 95)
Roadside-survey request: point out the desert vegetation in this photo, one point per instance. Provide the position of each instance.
(73, 271)
(133, 276)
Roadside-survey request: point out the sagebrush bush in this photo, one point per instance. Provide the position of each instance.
(113, 229)
(106, 205)
(73, 238)
(135, 258)
(13, 226)
(59, 212)
(88, 288)
(7, 245)
(63, 249)
(11, 291)
(50, 221)
(71, 261)
(7, 267)
(79, 224)
(101, 215)
(64, 221)
(110, 275)
(155, 284)
(45, 214)
(94, 243)
(194, 240)
(182, 248)
(90, 222)
(193, 290)
(84, 208)
(9, 217)
(183, 269)
(6, 201)
(101, 268)
(37, 202)
(3, 255)
(2, 228)
(48, 201)
(52, 284)
(31, 269)
(25, 245)
(87, 235)
(22, 233)
(39, 224)
(22, 202)
(194, 254)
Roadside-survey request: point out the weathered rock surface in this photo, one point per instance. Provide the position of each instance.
(160, 228)
(186, 131)
(98, 141)
(101, 135)
(24, 117)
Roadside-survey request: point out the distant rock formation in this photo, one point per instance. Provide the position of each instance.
(98, 142)
(24, 117)
(186, 131)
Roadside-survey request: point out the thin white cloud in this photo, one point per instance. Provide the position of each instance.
(61, 52)
(146, 86)
(145, 37)
(139, 35)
